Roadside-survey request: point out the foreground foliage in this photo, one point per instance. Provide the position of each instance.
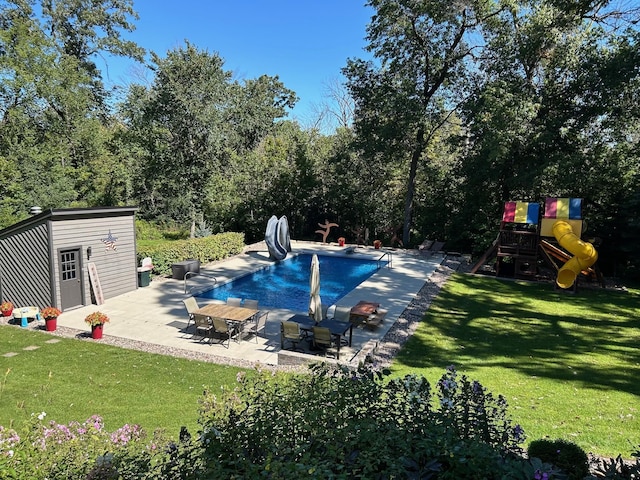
(331, 423)
(337, 423)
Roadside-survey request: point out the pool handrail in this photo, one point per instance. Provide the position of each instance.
(389, 263)
(188, 274)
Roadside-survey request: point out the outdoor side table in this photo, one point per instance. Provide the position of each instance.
(25, 313)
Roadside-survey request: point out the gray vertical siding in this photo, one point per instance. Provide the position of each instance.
(116, 268)
(25, 262)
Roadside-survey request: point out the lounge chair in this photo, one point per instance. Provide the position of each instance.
(429, 247)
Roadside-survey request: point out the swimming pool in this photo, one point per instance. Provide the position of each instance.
(286, 284)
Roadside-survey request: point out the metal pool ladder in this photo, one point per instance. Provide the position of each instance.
(389, 263)
(188, 274)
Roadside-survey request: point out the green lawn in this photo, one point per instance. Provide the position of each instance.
(74, 379)
(568, 365)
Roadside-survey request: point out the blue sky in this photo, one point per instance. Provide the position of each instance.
(305, 43)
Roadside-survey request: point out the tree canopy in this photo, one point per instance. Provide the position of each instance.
(463, 106)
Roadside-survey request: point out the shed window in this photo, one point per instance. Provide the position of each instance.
(68, 265)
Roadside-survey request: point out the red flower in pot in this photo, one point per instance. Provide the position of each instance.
(50, 315)
(6, 308)
(96, 320)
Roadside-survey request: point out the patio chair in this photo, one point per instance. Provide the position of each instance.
(251, 304)
(259, 325)
(202, 324)
(191, 305)
(342, 314)
(235, 302)
(323, 340)
(223, 331)
(290, 331)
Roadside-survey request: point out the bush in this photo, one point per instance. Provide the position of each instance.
(76, 450)
(565, 455)
(331, 423)
(207, 249)
(337, 423)
(146, 230)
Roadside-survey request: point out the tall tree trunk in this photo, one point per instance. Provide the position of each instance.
(411, 185)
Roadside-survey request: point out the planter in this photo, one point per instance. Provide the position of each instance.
(341, 242)
(50, 324)
(96, 332)
(7, 313)
(377, 244)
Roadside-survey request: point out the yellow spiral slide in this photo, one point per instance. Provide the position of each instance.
(584, 254)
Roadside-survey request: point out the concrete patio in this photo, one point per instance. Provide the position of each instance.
(156, 314)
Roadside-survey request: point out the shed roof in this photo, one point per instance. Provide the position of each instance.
(68, 214)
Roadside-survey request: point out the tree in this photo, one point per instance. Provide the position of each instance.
(193, 124)
(424, 56)
(555, 114)
(53, 111)
(84, 29)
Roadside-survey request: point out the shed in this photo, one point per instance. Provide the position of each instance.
(69, 258)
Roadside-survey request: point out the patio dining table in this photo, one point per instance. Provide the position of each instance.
(336, 327)
(239, 315)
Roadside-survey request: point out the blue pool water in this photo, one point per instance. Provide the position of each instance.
(286, 284)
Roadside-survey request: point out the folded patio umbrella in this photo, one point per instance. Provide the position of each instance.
(315, 303)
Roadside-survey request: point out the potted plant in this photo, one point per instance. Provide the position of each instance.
(341, 241)
(50, 315)
(377, 244)
(96, 320)
(6, 308)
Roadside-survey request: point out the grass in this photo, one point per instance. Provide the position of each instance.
(568, 365)
(74, 379)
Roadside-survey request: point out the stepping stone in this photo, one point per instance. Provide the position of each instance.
(10, 354)
(53, 340)
(31, 347)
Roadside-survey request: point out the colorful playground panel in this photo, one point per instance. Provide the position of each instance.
(521, 212)
(567, 209)
(563, 208)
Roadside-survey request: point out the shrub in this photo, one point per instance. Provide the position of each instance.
(73, 451)
(565, 455)
(337, 423)
(147, 231)
(207, 249)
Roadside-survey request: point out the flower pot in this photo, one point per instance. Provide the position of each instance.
(96, 332)
(50, 324)
(341, 242)
(7, 313)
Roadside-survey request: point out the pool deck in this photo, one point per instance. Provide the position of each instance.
(156, 314)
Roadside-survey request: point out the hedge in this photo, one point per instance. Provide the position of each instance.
(206, 249)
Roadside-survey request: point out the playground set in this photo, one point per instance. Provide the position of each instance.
(526, 237)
